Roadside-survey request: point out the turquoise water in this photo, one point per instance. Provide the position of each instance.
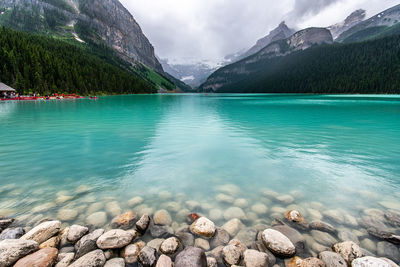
(327, 152)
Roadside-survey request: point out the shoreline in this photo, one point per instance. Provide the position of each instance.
(141, 234)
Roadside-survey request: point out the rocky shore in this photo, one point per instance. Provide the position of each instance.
(157, 240)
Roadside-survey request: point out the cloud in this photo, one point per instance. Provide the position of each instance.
(194, 30)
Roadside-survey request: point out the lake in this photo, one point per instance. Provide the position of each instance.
(331, 157)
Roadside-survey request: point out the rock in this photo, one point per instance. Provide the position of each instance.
(87, 243)
(216, 253)
(332, 259)
(4, 223)
(346, 235)
(238, 244)
(348, 250)
(278, 243)
(76, 232)
(350, 220)
(241, 203)
(294, 236)
(43, 231)
(388, 250)
(232, 227)
(115, 262)
(97, 219)
(212, 262)
(315, 214)
(12, 233)
(247, 236)
(381, 234)
(393, 217)
(161, 231)
(143, 223)
(114, 239)
(309, 262)
(373, 222)
(335, 216)
(369, 262)
(391, 263)
(254, 258)
(131, 252)
(147, 257)
(51, 243)
(170, 246)
(124, 221)
(322, 226)
(192, 205)
(234, 213)
(95, 258)
(221, 238)
(187, 239)
(259, 208)
(369, 245)
(64, 259)
(231, 255)
(323, 238)
(229, 189)
(162, 217)
(113, 208)
(202, 243)
(135, 201)
(45, 257)
(224, 198)
(67, 249)
(164, 261)
(285, 199)
(155, 243)
(259, 246)
(203, 227)
(191, 257)
(294, 216)
(215, 214)
(67, 215)
(13, 249)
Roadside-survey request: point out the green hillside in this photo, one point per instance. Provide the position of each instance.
(373, 33)
(34, 63)
(366, 67)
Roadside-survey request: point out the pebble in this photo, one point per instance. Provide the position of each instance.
(95, 258)
(51, 243)
(259, 208)
(173, 206)
(315, 214)
(155, 243)
(162, 217)
(294, 216)
(13, 249)
(192, 205)
(215, 214)
(221, 238)
(323, 238)
(43, 231)
(203, 227)
(143, 223)
(332, 259)
(113, 208)
(42, 258)
(369, 245)
(67, 215)
(124, 221)
(346, 235)
(294, 236)
(241, 203)
(224, 198)
(12, 233)
(135, 201)
(187, 239)
(234, 213)
(191, 257)
(388, 250)
(335, 216)
(97, 219)
(114, 239)
(87, 243)
(369, 262)
(348, 250)
(246, 236)
(231, 255)
(64, 259)
(147, 257)
(115, 262)
(322, 226)
(131, 252)
(170, 246)
(164, 261)
(95, 207)
(161, 231)
(278, 243)
(75, 233)
(285, 199)
(254, 258)
(232, 227)
(212, 262)
(230, 189)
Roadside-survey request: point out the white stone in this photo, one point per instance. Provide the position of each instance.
(278, 243)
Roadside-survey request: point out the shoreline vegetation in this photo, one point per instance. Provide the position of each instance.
(189, 233)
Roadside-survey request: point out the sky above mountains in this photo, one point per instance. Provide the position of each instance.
(186, 31)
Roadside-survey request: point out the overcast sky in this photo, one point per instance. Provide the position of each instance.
(195, 30)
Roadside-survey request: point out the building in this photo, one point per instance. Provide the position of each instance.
(6, 90)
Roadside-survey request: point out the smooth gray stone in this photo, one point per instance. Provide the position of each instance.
(191, 257)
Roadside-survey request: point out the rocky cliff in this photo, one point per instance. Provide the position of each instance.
(352, 20)
(101, 21)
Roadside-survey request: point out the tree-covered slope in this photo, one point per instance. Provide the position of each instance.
(366, 67)
(33, 63)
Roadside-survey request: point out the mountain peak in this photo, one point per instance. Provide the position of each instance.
(353, 19)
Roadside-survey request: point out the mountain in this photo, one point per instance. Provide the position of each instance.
(192, 74)
(352, 20)
(279, 33)
(99, 21)
(372, 27)
(235, 72)
(330, 69)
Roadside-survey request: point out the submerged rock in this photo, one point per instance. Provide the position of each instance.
(13, 249)
(388, 250)
(45, 257)
(322, 226)
(124, 221)
(232, 227)
(221, 238)
(323, 238)
(159, 231)
(97, 219)
(247, 236)
(202, 243)
(234, 213)
(162, 217)
(278, 243)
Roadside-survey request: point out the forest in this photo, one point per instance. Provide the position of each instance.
(37, 64)
(364, 67)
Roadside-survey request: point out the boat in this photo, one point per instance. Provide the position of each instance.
(93, 97)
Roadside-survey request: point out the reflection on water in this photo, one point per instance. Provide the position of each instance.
(325, 152)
